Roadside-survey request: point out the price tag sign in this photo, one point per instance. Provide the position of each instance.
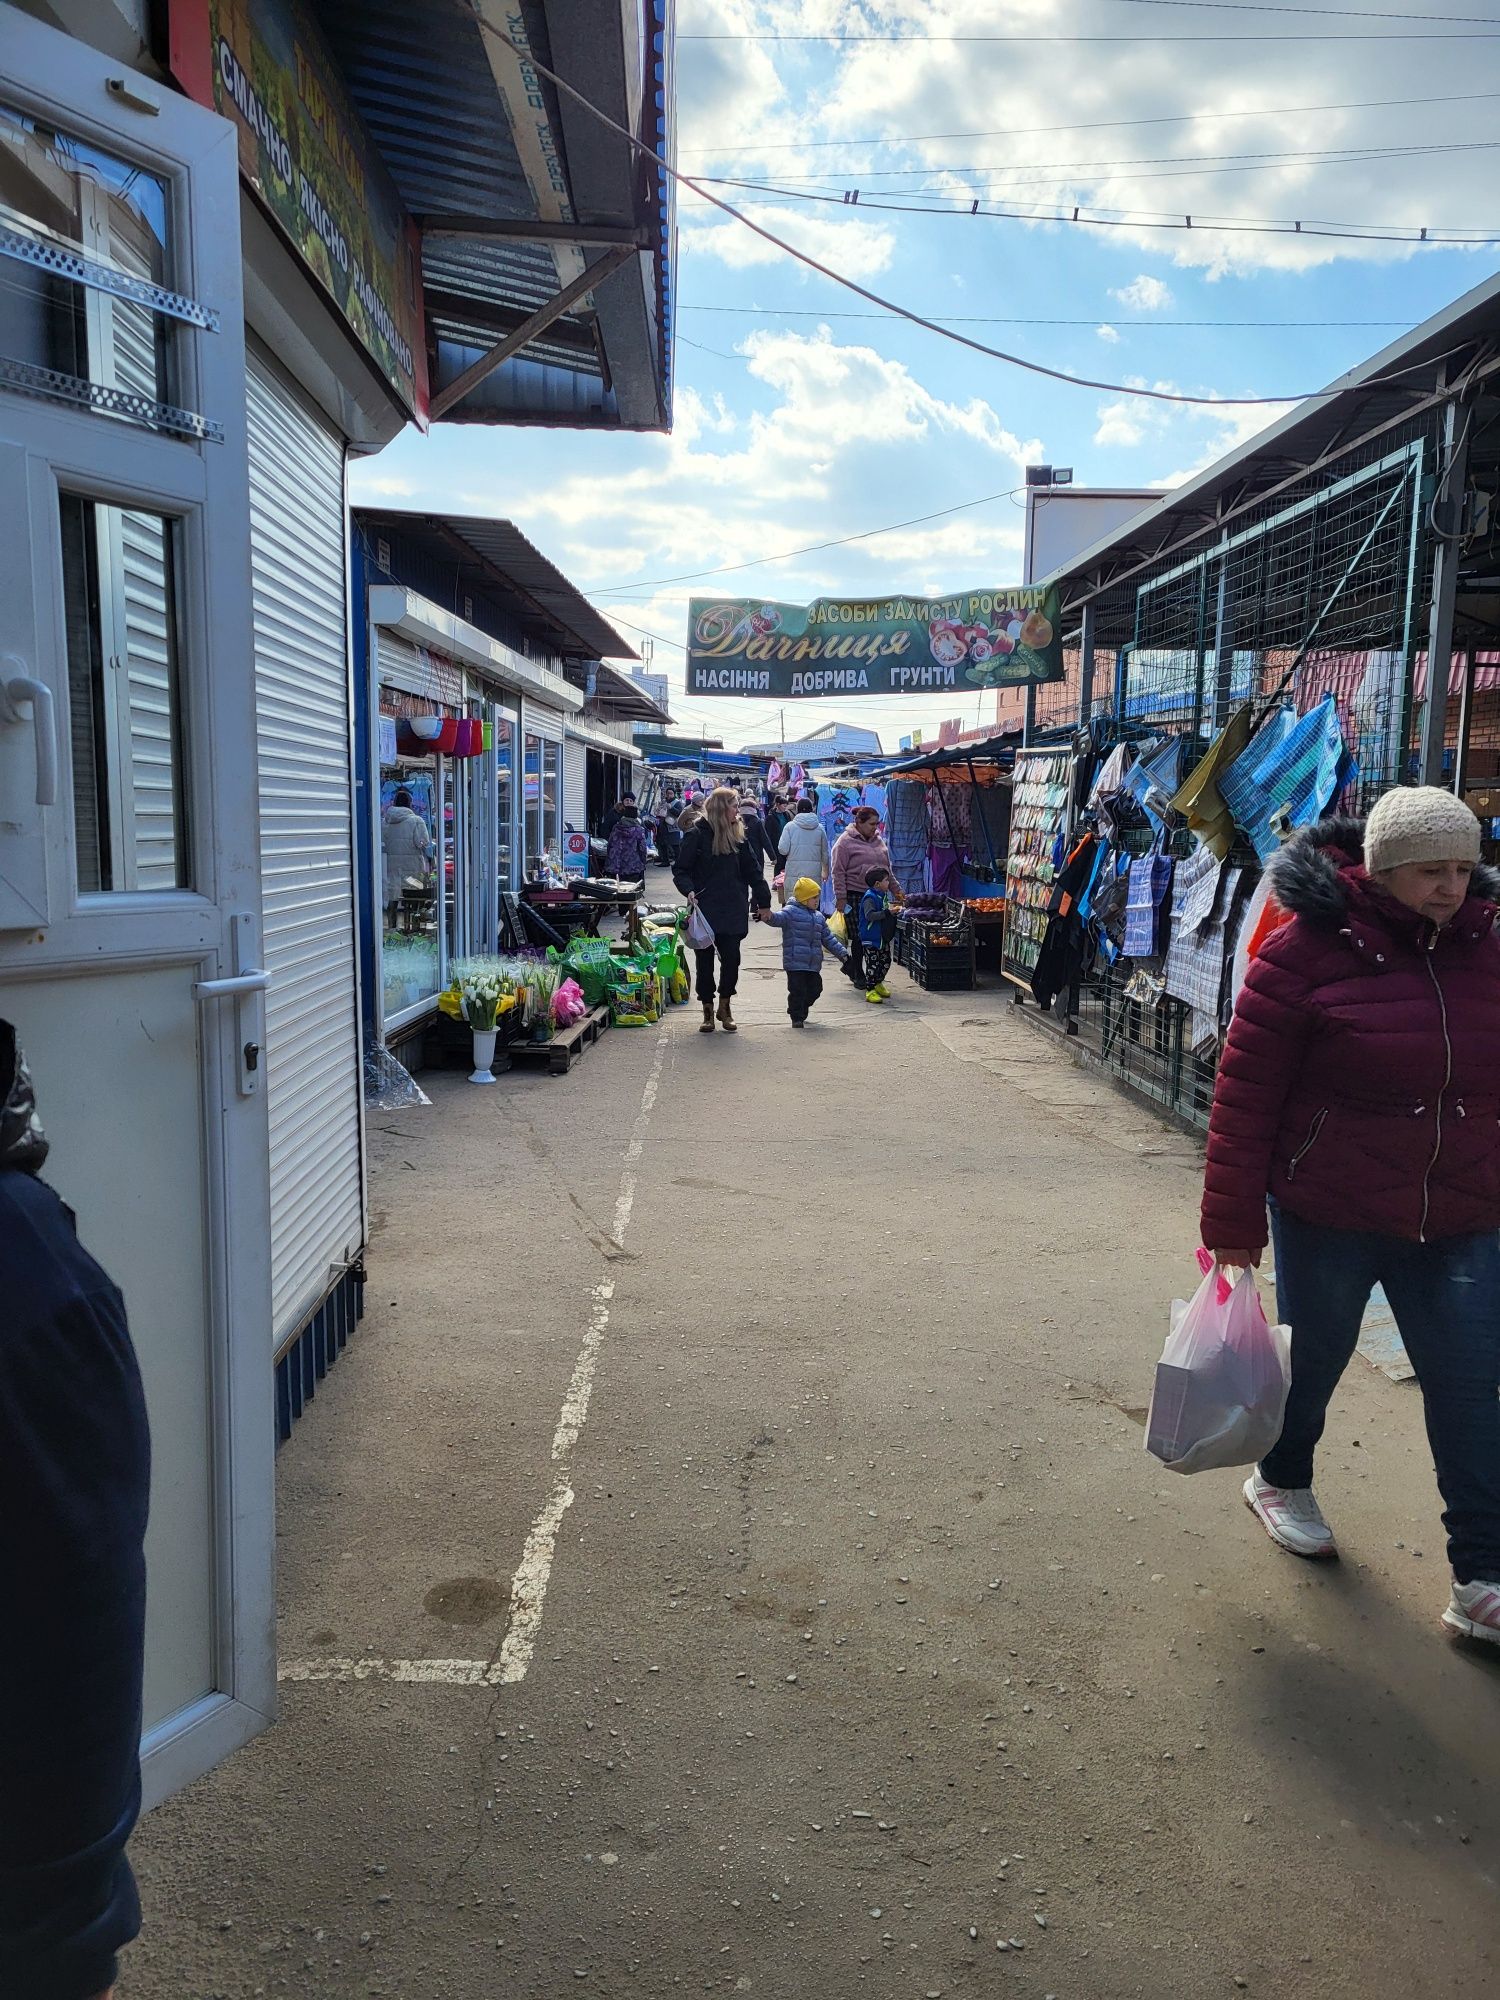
(575, 853)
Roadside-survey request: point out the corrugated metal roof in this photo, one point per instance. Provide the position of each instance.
(420, 74)
(1392, 385)
(503, 552)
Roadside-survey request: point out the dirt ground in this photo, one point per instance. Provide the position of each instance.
(726, 1560)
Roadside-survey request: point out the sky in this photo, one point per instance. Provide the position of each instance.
(804, 414)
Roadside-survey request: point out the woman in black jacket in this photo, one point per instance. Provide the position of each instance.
(718, 872)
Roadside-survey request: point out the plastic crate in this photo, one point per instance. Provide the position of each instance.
(944, 978)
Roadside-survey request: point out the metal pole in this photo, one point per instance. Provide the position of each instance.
(1086, 666)
(1028, 725)
(1443, 518)
(977, 808)
(1223, 657)
(1465, 716)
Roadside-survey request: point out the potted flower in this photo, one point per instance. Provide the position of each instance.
(483, 1001)
(541, 986)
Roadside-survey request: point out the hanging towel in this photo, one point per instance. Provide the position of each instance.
(906, 819)
(1203, 893)
(1150, 878)
(1199, 799)
(1289, 772)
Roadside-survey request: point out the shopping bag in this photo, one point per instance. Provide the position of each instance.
(700, 932)
(826, 901)
(1222, 1381)
(838, 923)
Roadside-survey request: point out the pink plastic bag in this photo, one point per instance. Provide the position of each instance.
(1222, 1381)
(568, 1004)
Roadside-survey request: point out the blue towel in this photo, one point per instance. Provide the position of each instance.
(1292, 769)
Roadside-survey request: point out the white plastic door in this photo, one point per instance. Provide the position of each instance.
(129, 872)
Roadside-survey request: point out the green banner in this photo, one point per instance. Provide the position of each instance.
(873, 645)
(263, 64)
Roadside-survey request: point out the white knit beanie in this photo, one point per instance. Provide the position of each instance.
(1419, 823)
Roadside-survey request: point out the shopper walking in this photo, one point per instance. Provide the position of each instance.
(858, 849)
(877, 923)
(1360, 1092)
(626, 856)
(803, 848)
(720, 876)
(804, 938)
(757, 839)
(405, 849)
(777, 820)
(74, 1479)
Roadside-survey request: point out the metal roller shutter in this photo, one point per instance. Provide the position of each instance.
(544, 722)
(297, 568)
(575, 783)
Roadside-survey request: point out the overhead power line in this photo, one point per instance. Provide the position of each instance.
(1108, 124)
(1179, 162)
(1117, 218)
(878, 299)
(1489, 33)
(1008, 319)
(1351, 13)
(810, 548)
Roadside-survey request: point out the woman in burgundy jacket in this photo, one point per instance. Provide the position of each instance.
(1359, 1092)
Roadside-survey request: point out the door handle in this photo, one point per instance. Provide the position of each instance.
(14, 692)
(253, 981)
(245, 986)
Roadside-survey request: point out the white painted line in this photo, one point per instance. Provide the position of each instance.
(529, 1590)
(431, 1673)
(529, 1586)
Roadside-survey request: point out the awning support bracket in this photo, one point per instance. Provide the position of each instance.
(556, 306)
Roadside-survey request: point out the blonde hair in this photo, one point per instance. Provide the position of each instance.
(722, 811)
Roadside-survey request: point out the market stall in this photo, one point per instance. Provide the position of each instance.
(948, 815)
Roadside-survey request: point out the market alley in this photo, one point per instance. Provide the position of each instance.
(725, 1560)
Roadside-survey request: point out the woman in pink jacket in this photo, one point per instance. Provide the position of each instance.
(858, 849)
(1359, 1093)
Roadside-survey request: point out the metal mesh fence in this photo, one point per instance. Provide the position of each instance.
(1316, 592)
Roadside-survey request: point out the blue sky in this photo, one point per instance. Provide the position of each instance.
(800, 417)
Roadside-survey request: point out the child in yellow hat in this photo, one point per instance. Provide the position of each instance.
(805, 936)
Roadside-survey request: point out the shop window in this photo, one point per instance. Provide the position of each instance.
(505, 807)
(84, 297)
(531, 800)
(455, 864)
(411, 810)
(119, 593)
(551, 803)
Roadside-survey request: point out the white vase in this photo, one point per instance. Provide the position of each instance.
(484, 1055)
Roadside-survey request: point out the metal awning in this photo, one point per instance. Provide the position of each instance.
(547, 244)
(494, 557)
(621, 699)
(998, 750)
(1411, 376)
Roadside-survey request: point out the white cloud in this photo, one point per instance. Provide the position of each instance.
(1108, 334)
(1144, 294)
(1228, 128)
(852, 245)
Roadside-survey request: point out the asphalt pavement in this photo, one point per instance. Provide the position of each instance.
(725, 1560)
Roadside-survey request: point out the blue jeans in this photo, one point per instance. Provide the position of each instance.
(1446, 1300)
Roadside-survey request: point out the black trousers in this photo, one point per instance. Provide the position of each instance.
(803, 991)
(728, 949)
(855, 965)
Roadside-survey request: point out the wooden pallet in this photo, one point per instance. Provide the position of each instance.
(558, 1056)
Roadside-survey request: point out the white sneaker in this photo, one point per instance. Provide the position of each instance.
(1474, 1611)
(1291, 1516)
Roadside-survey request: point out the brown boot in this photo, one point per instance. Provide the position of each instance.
(726, 1018)
(708, 1018)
